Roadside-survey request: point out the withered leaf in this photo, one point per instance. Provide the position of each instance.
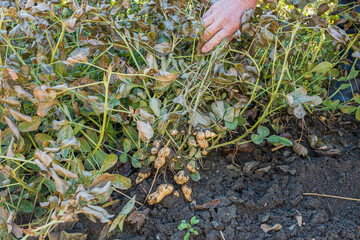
(163, 47)
(44, 94)
(250, 166)
(63, 172)
(267, 228)
(43, 157)
(9, 73)
(21, 93)
(45, 107)
(12, 127)
(287, 169)
(11, 101)
(70, 23)
(138, 218)
(145, 131)
(322, 9)
(78, 58)
(33, 125)
(300, 149)
(97, 212)
(19, 116)
(62, 186)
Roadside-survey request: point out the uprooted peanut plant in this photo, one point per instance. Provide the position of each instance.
(88, 87)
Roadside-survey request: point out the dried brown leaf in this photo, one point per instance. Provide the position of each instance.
(138, 218)
(21, 93)
(78, 58)
(70, 23)
(11, 101)
(9, 73)
(45, 107)
(18, 115)
(63, 172)
(43, 157)
(300, 149)
(44, 94)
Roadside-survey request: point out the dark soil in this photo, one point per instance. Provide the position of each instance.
(250, 199)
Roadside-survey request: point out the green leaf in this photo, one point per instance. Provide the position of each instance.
(279, 140)
(194, 221)
(119, 220)
(196, 232)
(341, 79)
(29, 127)
(232, 125)
(353, 74)
(183, 225)
(130, 132)
(78, 127)
(155, 105)
(186, 237)
(348, 109)
(127, 145)
(109, 162)
(322, 67)
(345, 86)
(357, 114)
(195, 176)
(123, 158)
(26, 206)
(257, 139)
(263, 131)
(357, 98)
(84, 145)
(136, 163)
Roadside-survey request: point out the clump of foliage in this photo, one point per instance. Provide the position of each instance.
(88, 88)
(189, 227)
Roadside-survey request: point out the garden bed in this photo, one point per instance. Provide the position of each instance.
(248, 200)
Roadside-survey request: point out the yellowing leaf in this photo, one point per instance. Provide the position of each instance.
(322, 67)
(119, 220)
(109, 162)
(32, 126)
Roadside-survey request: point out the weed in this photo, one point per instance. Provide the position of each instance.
(189, 227)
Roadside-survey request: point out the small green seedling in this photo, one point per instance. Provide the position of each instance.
(189, 226)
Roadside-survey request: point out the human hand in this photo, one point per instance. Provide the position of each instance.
(222, 20)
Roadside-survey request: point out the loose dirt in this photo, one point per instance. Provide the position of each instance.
(248, 200)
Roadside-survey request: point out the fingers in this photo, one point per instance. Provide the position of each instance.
(211, 31)
(208, 20)
(208, 13)
(215, 40)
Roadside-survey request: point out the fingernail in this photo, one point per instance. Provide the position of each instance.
(204, 50)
